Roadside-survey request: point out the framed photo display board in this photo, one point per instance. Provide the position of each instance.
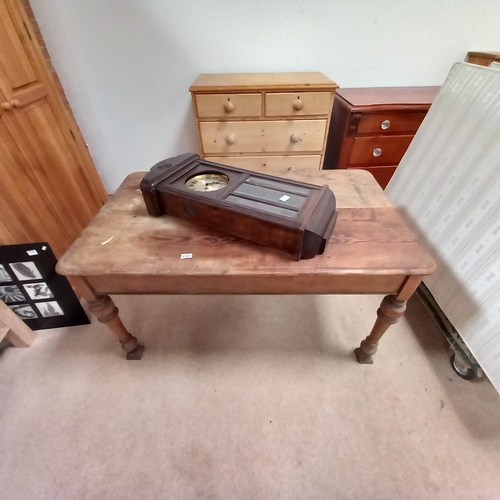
(30, 286)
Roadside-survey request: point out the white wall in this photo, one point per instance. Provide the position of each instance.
(126, 65)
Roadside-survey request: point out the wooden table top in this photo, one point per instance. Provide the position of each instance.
(370, 240)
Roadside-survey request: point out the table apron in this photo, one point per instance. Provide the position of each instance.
(245, 285)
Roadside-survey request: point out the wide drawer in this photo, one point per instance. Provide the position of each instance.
(228, 105)
(262, 137)
(378, 150)
(263, 163)
(382, 174)
(390, 123)
(299, 104)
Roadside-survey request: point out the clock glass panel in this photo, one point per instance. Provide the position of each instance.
(207, 182)
(262, 206)
(275, 195)
(278, 185)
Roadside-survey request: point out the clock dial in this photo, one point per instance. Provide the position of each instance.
(207, 182)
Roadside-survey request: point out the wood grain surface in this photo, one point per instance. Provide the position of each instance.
(387, 96)
(215, 105)
(364, 119)
(124, 250)
(392, 148)
(382, 173)
(262, 137)
(310, 103)
(261, 81)
(400, 122)
(270, 164)
(271, 114)
(482, 58)
(49, 184)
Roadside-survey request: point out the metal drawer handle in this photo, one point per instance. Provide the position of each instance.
(377, 152)
(230, 139)
(385, 124)
(294, 138)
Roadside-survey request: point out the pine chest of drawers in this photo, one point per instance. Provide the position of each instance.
(270, 120)
(372, 128)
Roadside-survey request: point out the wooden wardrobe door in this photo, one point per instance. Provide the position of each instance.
(27, 213)
(43, 159)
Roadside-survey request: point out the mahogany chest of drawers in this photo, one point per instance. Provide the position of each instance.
(482, 58)
(269, 120)
(371, 128)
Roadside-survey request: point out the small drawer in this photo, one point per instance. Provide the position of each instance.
(379, 150)
(262, 136)
(299, 104)
(270, 164)
(390, 123)
(381, 173)
(228, 105)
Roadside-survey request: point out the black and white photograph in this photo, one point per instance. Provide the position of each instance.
(24, 311)
(48, 309)
(43, 298)
(26, 271)
(38, 291)
(5, 277)
(11, 293)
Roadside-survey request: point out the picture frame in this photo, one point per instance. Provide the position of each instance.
(31, 288)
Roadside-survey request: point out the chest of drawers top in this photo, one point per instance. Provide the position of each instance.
(373, 99)
(245, 82)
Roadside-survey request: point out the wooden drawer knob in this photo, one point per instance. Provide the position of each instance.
(228, 107)
(10, 105)
(298, 105)
(230, 139)
(385, 124)
(377, 152)
(294, 138)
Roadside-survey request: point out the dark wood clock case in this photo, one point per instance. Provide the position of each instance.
(295, 217)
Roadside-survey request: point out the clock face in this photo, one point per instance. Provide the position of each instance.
(207, 182)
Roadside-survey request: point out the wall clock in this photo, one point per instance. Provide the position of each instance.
(295, 217)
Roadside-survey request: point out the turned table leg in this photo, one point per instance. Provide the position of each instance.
(389, 312)
(106, 312)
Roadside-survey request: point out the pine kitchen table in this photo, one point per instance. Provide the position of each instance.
(126, 251)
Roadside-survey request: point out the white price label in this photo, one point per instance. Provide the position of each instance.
(186, 255)
(284, 198)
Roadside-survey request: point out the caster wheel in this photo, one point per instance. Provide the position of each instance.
(461, 369)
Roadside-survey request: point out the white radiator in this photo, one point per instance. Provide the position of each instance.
(448, 187)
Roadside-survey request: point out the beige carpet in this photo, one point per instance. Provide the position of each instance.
(245, 398)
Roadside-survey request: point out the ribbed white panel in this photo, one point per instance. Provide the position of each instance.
(448, 186)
